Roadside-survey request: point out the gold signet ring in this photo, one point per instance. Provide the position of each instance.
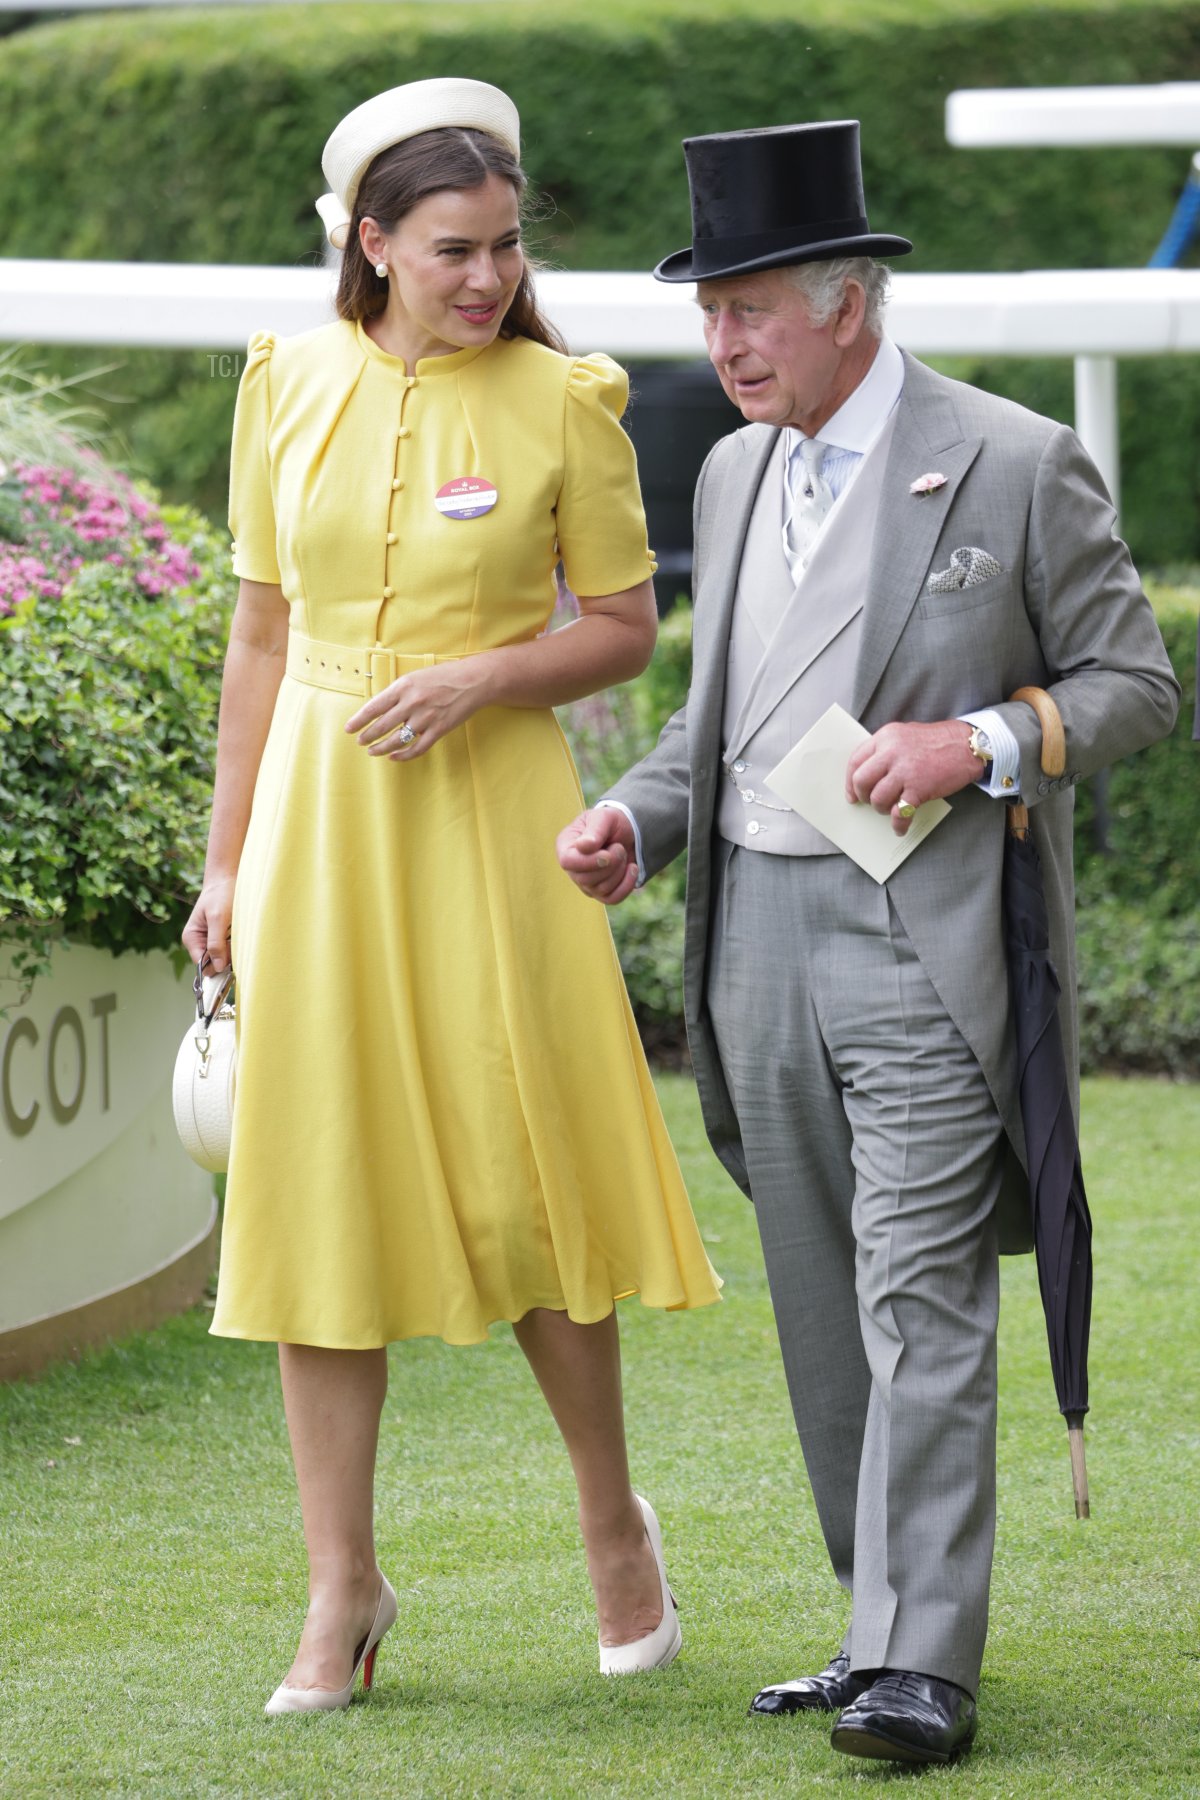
(906, 809)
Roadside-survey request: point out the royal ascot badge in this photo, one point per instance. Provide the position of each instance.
(466, 497)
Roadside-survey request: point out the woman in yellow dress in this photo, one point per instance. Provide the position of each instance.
(444, 1118)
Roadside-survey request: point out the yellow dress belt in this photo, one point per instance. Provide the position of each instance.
(361, 672)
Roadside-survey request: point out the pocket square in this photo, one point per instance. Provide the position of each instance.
(968, 567)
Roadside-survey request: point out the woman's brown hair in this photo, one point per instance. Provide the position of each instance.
(407, 173)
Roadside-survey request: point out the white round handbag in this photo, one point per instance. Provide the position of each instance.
(206, 1073)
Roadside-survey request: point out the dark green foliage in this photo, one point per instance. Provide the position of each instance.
(1139, 989)
(174, 419)
(107, 740)
(608, 734)
(663, 688)
(197, 135)
(170, 136)
(648, 932)
(1152, 861)
(1138, 918)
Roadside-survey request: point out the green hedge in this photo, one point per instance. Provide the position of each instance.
(176, 136)
(1152, 859)
(608, 734)
(196, 135)
(1139, 991)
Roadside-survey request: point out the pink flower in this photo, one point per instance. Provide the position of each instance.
(927, 484)
(71, 521)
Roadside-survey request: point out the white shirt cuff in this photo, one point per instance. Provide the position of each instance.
(1004, 770)
(637, 840)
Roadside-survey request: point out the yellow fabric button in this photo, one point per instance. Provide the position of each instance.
(412, 381)
(391, 537)
(388, 592)
(396, 486)
(404, 432)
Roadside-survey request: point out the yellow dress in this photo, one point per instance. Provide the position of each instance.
(443, 1116)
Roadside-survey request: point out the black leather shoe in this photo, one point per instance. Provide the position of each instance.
(834, 1687)
(908, 1718)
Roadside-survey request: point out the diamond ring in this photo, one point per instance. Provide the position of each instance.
(406, 735)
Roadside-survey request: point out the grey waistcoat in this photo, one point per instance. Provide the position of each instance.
(792, 649)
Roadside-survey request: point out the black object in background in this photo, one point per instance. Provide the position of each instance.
(677, 411)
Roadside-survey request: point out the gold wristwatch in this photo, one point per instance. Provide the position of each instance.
(980, 745)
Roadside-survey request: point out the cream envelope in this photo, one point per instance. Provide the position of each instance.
(812, 780)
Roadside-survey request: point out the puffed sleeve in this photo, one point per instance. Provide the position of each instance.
(251, 507)
(601, 525)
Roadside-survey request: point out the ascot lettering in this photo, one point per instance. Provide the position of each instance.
(64, 1090)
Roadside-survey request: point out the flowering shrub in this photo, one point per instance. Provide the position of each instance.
(113, 618)
(55, 521)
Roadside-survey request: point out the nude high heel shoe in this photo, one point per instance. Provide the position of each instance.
(294, 1700)
(660, 1646)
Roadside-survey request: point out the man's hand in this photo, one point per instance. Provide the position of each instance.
(912, 764)
(596, 850)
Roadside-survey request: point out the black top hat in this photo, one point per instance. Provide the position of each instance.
(764, 199)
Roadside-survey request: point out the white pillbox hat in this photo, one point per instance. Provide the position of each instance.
(404, 112)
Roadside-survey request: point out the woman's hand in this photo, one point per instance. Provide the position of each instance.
(431, 702)
(207, 931)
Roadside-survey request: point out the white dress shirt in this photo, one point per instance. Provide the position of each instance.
(852, 430)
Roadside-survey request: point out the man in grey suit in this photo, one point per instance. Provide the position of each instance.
(915, 550)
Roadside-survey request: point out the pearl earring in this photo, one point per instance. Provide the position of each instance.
(381, 270)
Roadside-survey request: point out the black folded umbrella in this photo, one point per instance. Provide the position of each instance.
(1062, 1225)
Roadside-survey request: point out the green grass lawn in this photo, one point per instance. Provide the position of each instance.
(152, 1574)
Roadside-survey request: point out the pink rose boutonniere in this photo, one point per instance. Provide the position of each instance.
(927, 484)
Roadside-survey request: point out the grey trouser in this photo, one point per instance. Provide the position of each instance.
(874, 1151)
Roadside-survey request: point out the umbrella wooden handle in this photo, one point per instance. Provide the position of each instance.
(1079, 1478)
(1054, 751)
(1054, 738)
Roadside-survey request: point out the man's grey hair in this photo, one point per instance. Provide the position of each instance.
(823, 285)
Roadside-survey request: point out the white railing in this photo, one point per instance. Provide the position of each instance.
(181, 306)
(1168, 113)
(1093, 316)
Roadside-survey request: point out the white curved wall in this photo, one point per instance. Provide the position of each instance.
(95, 1193)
